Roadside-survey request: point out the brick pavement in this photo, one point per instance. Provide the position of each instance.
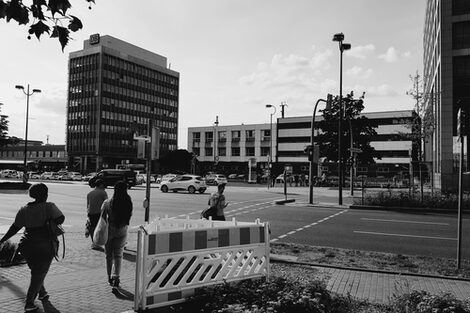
(79, 283)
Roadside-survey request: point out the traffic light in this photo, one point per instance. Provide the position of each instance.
(309, 151)
(329, 101)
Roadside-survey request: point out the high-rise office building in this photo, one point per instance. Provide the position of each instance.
(446, 83)
(116, 89)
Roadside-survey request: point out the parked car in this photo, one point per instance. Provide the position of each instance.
(49, 175)
(215, 179)
(9, 174)
(88, 176)
(75, 176)
(191, 183)
(34, 175)
(111, 176)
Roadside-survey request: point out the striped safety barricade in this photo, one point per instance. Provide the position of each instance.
(177, 256)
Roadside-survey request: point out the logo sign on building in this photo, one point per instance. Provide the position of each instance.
(94, 39)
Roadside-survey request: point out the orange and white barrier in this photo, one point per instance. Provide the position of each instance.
(177, 256)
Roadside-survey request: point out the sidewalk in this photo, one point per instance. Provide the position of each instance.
(79, 283)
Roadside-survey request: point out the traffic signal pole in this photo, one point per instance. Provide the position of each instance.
(312, 144)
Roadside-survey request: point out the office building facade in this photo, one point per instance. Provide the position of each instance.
(230, 149)
(446, 84)
(116, 90)
(237, 144)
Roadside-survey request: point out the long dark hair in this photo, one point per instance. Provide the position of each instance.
(121, 204)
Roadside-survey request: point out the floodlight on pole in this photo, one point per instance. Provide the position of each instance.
(342, 47)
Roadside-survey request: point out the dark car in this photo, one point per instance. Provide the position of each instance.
(110, 177)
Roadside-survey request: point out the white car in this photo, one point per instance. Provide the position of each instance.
(75, 176)
(191, 183)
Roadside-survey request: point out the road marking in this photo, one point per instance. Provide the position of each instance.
(307, 226)
(7, 218)
(402, 235)
(403, 221)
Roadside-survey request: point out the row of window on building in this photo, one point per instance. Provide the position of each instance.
(236, 135)
(234, 151)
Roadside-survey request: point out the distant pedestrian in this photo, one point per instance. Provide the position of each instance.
(94, 201)
(217, 199)
(118, 212)
(36, 244)
(302, 180)
(296, 180)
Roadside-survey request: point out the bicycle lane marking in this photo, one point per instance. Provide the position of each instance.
(308, 226)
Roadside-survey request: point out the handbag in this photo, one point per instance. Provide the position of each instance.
(55, 230)
(100, 235)
(210, 211)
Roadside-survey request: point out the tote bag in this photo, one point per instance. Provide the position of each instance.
(100, 236)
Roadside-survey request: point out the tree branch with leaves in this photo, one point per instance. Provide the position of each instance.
(43, 16)
(4, 138)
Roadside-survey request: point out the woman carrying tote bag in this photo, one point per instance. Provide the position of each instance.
(117, 211)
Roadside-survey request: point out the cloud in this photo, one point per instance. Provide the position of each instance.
(383, 90)
(359, 72)
(360, 52)
(390, 56)
(289, 72)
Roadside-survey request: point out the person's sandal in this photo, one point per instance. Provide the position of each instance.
(31, 308)
(44, 297)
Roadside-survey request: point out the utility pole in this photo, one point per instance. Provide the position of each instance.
(282, 105)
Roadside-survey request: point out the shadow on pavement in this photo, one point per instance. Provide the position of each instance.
(123, 294)
(49, 307)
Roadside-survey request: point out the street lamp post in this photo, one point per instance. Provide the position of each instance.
(312, 145)
(270, 160)
(27, 93)
(216, 123)
(342, 47)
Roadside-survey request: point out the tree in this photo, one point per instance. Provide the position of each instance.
(42, 17)
(4, 138)
(423, 123)
(363, 130)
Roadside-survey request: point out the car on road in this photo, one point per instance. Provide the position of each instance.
(49, 175)
(9, 174)
(75, 176)
(111, 176)
(34, 175)
(215, 179)
(165, 177)
(190, 183)
(88, 176)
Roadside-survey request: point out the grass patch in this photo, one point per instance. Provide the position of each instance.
(373, 260)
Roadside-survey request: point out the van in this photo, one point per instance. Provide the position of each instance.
(111, 176)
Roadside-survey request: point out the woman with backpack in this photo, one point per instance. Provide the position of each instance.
(36, 245)
(117, 211)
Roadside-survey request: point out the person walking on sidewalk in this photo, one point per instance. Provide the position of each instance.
(217, 199)
(36, 244)
(94, 201)
(118, 212)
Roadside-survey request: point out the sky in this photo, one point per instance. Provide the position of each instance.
(233, 56)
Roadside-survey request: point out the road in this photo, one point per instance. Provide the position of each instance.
(426, 234)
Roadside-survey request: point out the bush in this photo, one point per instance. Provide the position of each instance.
(276, 295)
(423, 302)
(403, 199)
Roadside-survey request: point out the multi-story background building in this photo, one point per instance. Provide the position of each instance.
(237, 144)
(39, 156)
(228, 149)
(446, 83)
(116, 89)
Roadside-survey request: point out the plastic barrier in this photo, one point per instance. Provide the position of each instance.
(177, 256)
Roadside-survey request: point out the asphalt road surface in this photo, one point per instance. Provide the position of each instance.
(426, 234)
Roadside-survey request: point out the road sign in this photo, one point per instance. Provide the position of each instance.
(355, 150)
(145, 138)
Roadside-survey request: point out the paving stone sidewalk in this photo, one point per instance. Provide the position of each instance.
(79, 283)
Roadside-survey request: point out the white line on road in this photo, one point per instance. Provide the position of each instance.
(7, 218)
(307, 226)
(402, 235)
(402, 221)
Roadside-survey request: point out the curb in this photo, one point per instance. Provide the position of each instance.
(290, 260)
(404, 209)
(284, 201)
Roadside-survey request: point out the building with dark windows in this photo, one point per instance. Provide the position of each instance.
(116, 90)
(446, 84)
(239, 146)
